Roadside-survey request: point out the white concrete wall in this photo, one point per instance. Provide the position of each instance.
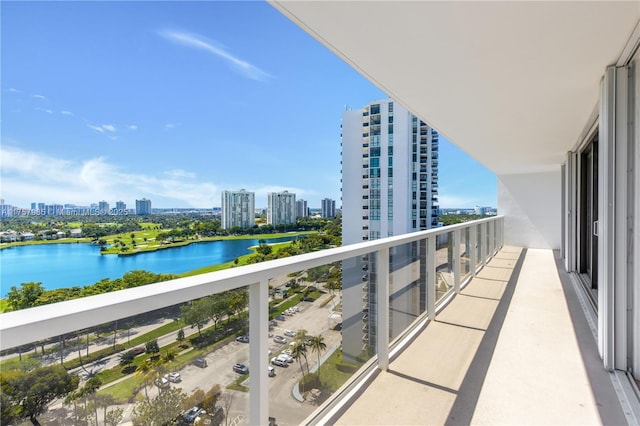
(530, 203)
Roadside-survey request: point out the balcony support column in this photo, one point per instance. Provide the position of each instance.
(491, 239)
(431, 277)
(258, 350)
(456, 260)
(382, 317)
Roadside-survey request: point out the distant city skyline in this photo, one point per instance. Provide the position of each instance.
(185, 100)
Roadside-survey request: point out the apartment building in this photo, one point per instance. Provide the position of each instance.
(302, 210)
(238, 209)
(328, 208)
(143, 207)
(389, 187)
(281, 208)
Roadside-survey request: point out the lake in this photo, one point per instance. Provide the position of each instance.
(68, 265)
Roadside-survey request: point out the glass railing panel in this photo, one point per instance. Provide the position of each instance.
(465, 253)
(407, 285)
(320, 335)
(444, 264)
(175, 365)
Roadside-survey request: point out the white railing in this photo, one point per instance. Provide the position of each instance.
(35, 324)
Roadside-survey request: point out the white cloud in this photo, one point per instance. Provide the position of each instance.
(29, 176)
(48, 111)
(96, 128)
(36, 96)
(65, 112)
(133, 127)
(179, 173)
(198, 42)
(103, 128)
(11, 89)
(170, 126)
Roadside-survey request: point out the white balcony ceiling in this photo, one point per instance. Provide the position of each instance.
(511, 83)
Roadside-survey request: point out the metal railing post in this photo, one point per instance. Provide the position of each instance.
(473, 256)
(456, 260)
(431, 277)
(258, 350)
(382, 318)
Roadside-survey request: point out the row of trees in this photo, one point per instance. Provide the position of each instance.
(33, 294)
(214, 308)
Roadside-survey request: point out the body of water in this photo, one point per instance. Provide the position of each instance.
(68, 265)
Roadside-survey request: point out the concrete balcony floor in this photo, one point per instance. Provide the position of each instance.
(513, 348)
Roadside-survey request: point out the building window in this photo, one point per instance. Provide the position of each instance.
(390, 107)
(390, 129)
(375, 109)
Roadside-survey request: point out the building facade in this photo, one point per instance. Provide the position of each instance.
(238, 209)
(143, 207)
(328, 208)
(302, 210)
(281, 208)
(390, 186)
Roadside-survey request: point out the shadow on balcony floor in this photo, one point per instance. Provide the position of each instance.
(513, 348)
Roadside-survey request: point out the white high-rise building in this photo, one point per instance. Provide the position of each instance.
(389, 187)
(238, 209)
(301, 208)
(143, 207)
(281, 208)
(328, 207)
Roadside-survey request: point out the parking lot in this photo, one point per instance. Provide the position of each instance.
(283, 406)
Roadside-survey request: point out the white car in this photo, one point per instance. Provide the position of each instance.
(279, 362)
(290, 333)
(286, 358)
(173, 377)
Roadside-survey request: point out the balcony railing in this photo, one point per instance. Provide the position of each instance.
(448, 257)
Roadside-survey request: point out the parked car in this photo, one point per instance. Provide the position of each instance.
(271, 371)
(280, 339)
(173, 377)
(242, 339)
(279, 362)
(199, 362)
(241, 369)
(281, 318)
(290, 333)
(285, 358)
(162, 383)
(308, 299)
(193, 413)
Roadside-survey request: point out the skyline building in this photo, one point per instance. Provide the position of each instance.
(389, 187)
(328, 208)
(121, 207)
(281, 208)
(238, 209)
(103, 207)
(302, 209)
(143, 207)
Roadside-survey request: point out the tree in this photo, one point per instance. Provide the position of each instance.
(196, 314)
(180, 336)
(161, 410)
(318, 345)
(30, 393)
(114, 417)
(152, 347)
(126, 358)
(298, 351)
(24, 297)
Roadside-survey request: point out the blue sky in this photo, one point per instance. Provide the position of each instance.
(177, 101)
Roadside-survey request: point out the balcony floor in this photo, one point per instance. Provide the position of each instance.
(513, 348)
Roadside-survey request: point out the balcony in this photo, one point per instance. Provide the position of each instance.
(466, 347)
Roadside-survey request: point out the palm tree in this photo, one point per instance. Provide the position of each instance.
(318, 345)
(298, 351)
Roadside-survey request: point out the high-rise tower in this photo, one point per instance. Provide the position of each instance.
(389, 187)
